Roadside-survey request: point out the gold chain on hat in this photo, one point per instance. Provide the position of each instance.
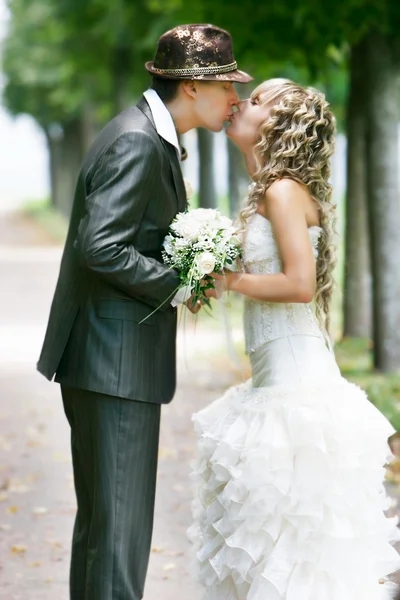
(197, 70)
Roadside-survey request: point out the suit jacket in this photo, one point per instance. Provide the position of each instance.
(129, 189)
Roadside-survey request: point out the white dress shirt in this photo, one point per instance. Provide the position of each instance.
(164, 123)
(165, 128)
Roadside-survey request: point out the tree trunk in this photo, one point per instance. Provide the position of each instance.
(53, 137)
(73, 150)
(238, 179)
(357, 303)
(121, 67)
(89, 127)
(207, 191)
(67, 147)
(383, 199)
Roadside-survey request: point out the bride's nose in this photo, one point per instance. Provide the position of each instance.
(240, 105)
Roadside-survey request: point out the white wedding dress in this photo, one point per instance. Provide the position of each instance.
(290, 466)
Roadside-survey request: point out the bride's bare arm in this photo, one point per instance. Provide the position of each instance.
(288, 207)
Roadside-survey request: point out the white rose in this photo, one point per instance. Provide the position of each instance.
(189, 229)
(168, 244)
(226, 223)
(204, 214)
(176, 224)
(214, 226)
(206, 263)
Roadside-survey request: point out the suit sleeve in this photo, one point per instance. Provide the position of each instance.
(125, 181)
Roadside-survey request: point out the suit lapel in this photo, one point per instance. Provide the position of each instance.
(177, 174)
(173, 159)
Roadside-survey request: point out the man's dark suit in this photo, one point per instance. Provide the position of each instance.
(115, 372)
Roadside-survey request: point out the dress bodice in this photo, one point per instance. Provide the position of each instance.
(267, 321)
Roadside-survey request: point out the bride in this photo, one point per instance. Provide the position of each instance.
(290, 502)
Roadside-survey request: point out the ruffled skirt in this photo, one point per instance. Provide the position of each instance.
(290, 498)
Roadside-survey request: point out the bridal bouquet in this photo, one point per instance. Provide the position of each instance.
(199, 242)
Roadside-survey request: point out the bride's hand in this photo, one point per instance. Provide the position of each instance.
(220, 276)
(226, 279)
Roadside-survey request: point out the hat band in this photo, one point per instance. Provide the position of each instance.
(197, 70)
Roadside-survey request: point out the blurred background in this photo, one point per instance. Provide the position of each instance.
(68, 66)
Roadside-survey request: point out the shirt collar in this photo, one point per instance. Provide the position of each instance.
(162, 119)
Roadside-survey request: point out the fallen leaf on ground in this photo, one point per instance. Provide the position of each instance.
(169, 567)
(54, 544)
(4, 444)
(35, 444)
(32, 432)
(5, 484)
(12, 509)
(19, 549)
(157, 550)
(35, 563)
(18, 487)
(178, 488)
(61, 457)
(40, 510)
(167, 453)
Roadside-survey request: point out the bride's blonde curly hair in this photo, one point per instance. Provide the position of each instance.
(297, 141)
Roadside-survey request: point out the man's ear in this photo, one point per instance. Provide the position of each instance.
(189, 87)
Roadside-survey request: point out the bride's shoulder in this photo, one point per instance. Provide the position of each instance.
(286, 194)
(286, 187)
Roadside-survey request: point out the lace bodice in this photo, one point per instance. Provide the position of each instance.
(267, 321)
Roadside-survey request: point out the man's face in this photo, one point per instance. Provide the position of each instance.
(214, 102)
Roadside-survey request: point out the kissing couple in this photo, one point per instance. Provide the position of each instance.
(290, 502)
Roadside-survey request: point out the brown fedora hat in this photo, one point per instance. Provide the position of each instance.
(196, 52)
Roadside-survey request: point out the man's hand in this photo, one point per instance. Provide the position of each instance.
(194, 308)
(208, 293)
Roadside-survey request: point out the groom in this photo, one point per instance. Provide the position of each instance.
(115, 369)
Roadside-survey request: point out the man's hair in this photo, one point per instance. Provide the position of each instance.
(167, 89)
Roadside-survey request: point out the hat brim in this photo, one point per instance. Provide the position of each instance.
(233, 76)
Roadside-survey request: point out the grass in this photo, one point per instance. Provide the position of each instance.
(46, 216)
(355, 360)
